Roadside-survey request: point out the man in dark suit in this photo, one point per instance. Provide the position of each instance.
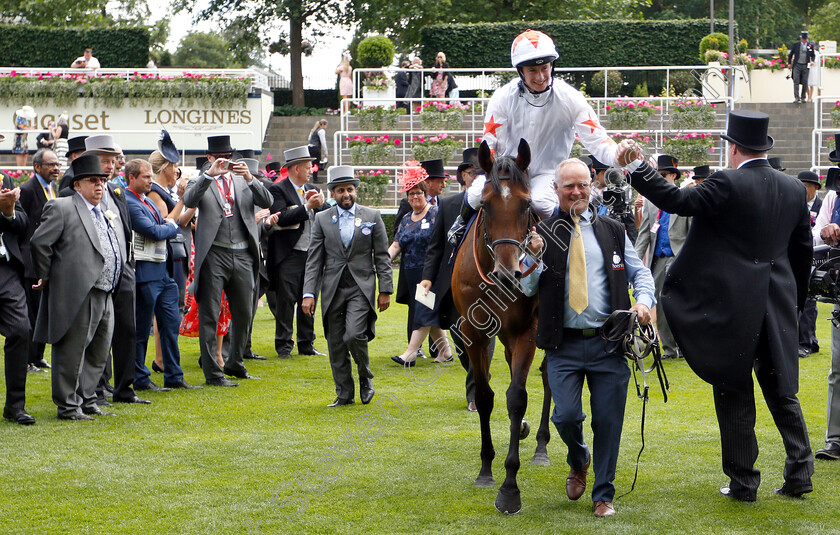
(75, 148)
(401, 83)
(14, 319)
(808, 342)
(226, 254)
(732, 293)
(296, 202)
(34, 194)
(348, 252)
(79, 259)
(800, 58)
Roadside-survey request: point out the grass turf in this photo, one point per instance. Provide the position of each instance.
(245, 460)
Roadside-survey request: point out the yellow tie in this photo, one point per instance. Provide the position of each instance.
(300, 190)
(578, 293)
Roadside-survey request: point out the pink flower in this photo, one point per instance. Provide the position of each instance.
(397, 142)
(608, 108)
(367, 140)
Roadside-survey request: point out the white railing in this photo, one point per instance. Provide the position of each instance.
(823, 132)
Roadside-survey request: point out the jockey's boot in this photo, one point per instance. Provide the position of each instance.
(456, 233)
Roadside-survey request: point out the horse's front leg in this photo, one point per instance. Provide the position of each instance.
(544, 434)
(477, 346)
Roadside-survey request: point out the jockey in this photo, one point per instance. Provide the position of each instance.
(546, 112)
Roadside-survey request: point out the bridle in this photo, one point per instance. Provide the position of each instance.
(533, 219)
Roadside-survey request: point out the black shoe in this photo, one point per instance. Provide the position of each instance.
(308, 349)
(804, 352)
(31, 368)
(831, 452)
(102, 402)
(726, 491)
(366, 390)
(341, 401)
(151, 386)
(815, 349)
(283, 355)
(96, 411)
(133, 399)
(795, 491)
(43, 364)
(240, 375)
(401, 362)
(181, 384)
(156, 368)
(19, 416)
(254, 356)
(75, 416)
(221, 382)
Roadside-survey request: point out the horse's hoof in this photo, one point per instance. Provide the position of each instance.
(484, 482)
(509, 504)
(524, 430)
(541, 459)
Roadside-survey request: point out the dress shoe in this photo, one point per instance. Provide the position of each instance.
(181, 384)
(156, 368)
(341, 401)
(133, 399)
(284, 355)
(726, 491)
(151, 386)
(831, 452)
(366, 390)
(96, 411)
(19, 416)
(240, 374)
(31, 368)
(401, 362)
(309, 349)
(471, 407)
(43, 364)
(576, 482)
(102, 402)
(76, 416)
(603, 509)
(221, 382)
(795, 490)
(804, 352)
(254, 356)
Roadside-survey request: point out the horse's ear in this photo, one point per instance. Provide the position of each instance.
(523, 155)
(485, 157)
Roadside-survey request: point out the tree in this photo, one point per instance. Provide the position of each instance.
(825, 24)
(201, 50)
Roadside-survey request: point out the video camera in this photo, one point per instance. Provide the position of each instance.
(824, 284)
(617, 194)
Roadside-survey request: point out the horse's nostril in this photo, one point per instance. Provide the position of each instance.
(517, 274)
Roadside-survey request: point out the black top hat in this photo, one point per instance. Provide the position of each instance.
(200, 162)
(702, 171)
(470, 157)
(666, 162)
(834, 155)
(803, 34)
(434, 168)
(810, 176)
(219, 145)
(832, 179)
(598, 166)
(776, 163)
(748, 129)
(167, 147)
(273, 166)
(75, 144)
(246, 153)
(85, 166)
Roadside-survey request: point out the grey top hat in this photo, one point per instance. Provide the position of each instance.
(253, 165)
(297, 155)
(102, 144)
(340, 175)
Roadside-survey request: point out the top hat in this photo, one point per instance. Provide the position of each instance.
(748, 129)
(253, 165)
(219, 145)
(434, 168)
(246, 153)
(86, 165)
(297, 155)
(810, 176)
(101, 144)
(273, 166)
(776, 163)
(412, 173)
(702, 171)
(803, 34)
(167, 147)
(834, 155)
(598, 166)
(666, 162)
(200, 162)
(75, 144)
(832, 179)
(470, 157)
(340, 175)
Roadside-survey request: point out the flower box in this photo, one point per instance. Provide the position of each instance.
(630, 115)
(692, 115)
(689, 149)
(373, 186)
(441, 116)
(442, 146)
(367, 150)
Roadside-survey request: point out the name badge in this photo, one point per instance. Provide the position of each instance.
(366, 231)
(424, 225)
(228, 209)
(654, 228)
(358, 221)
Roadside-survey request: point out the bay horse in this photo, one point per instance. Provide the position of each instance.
(486, 293)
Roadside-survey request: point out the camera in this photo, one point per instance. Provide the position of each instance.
(616, 195)
(824, 283)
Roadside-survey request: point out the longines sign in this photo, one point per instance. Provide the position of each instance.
(136, 129)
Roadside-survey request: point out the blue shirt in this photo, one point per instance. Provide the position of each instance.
(336, 220)
(599, 307)
(663, 242)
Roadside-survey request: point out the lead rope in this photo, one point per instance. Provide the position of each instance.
(639, 456)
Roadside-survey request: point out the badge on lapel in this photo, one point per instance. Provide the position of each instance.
(367, 227)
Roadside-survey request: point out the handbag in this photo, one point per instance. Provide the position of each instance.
(177, 247)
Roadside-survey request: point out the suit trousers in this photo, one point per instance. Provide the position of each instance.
(659, 268)
(78, 359)
(832, 434)
(15, 326)
(158, 299)
(347, 318)
(606, 373)
(289, 295)
(808, 327)
(231, 271)
(124, 340)
(736, 419)
(33, 304)
(800, 77)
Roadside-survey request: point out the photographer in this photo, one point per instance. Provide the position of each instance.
(87, 61)
(611, 195)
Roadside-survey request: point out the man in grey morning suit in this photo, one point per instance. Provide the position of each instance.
(348, 251)
(226, 254)
(78, 258)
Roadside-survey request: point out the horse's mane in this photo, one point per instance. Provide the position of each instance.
(506, 165)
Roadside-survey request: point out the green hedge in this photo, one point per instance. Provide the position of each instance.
(32, 46)
(581, 43)
(314, 98)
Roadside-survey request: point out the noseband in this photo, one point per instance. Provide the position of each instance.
(533, 219)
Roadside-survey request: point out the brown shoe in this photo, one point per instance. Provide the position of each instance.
(603, 509)
(576, 482)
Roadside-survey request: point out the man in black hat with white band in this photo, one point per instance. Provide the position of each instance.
(732, 294)
(296, 201)
(801, 58)
(226, 253)
(348, 253)
(808, 342)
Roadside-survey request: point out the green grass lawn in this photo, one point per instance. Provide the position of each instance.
(244, 460)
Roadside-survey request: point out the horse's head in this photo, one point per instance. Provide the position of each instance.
(506, 202)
